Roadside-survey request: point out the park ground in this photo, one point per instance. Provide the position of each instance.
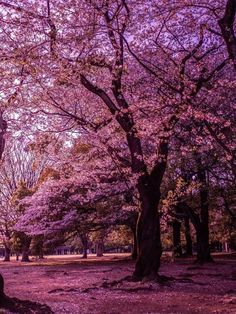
(69, 284)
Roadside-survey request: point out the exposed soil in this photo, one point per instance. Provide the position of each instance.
(72, 285)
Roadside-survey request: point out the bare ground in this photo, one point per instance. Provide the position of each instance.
(72, 285)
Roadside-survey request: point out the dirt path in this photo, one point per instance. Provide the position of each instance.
(74, 286)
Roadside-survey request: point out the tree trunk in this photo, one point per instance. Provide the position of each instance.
(25, 249)
(203, 246)
(149, 246)
(41, 255)
(177, 249)
(84, 241)
(189, 245)
(7, 253)
(38, 242)
(148, 227)
(135, 246)
(3, 128)
(227, 29)
(148, 234)
(2, 294)
(99, 248)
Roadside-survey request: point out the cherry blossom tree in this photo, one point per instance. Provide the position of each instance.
(125, 90)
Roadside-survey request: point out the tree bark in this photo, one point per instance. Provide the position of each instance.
(189, 245)
(149, 243)
(177, 249)
(148, 228)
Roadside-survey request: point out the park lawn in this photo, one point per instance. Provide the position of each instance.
(71, 285)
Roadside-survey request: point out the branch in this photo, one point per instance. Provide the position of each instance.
(227, 28)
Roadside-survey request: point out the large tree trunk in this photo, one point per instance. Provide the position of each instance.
(177, 249)
(148, 233)
(25, 249)
(149, 245)
(189, 244)
(148, 227)
(203, 247)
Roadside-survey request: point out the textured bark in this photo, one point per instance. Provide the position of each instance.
(148, 232)
(177, 249)
(189, 245)
(149, 245)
